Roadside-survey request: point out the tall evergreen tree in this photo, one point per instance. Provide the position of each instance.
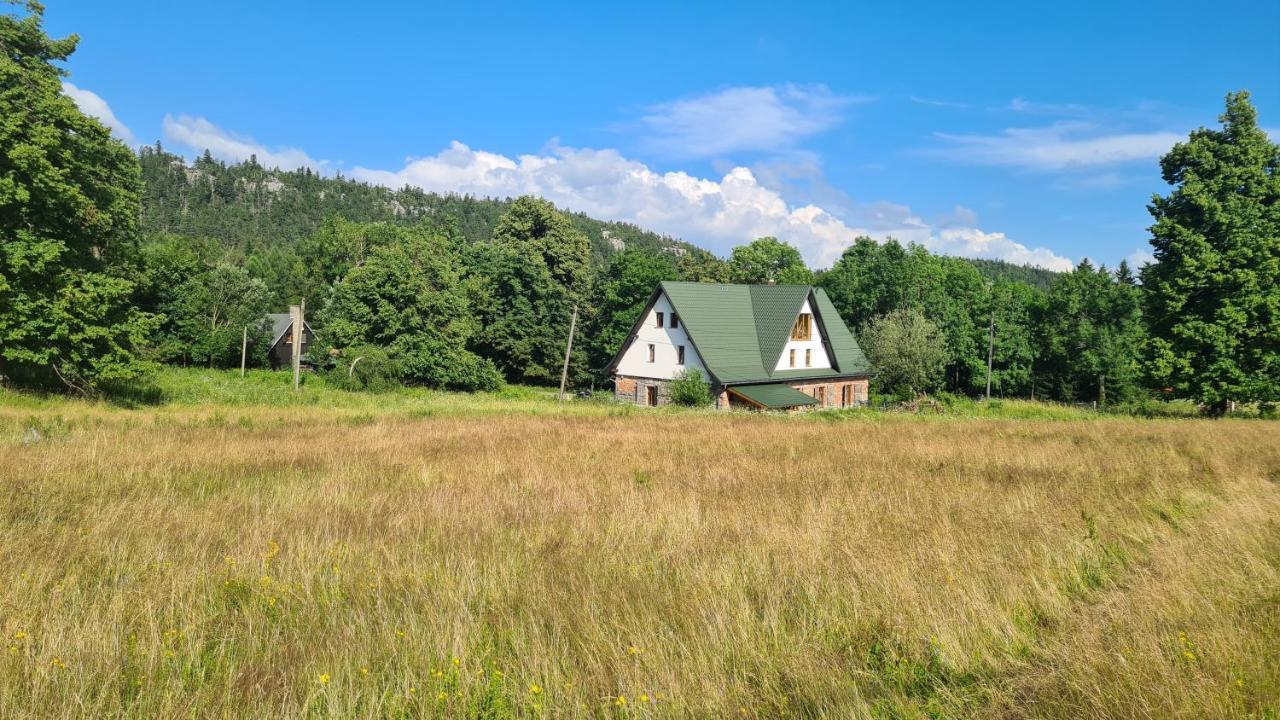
(69, 200)
(1090, 331)
(1213, 291)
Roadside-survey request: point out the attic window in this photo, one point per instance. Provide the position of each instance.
(675, 320)
(803, 329)
(793, 357)
(679, 354)
(659, 324)
(808, 358)
(651, 352)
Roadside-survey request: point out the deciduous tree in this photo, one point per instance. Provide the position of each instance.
(408, 297)
(768, 260)
(69, 200)
(907, 351)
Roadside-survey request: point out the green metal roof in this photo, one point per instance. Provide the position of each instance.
(739, 331)
(774, 395)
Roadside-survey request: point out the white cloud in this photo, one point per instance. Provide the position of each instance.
(715, 213)
(1100, 181)
(1019, 105)
(199, 134)
(742, 119)
(917, 99)
(1140, 257)
(1061, 146)
(91, 104)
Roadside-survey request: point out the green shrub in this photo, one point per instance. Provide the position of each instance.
(690, 388)
(364, 367)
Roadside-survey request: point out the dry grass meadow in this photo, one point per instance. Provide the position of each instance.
(426, 555)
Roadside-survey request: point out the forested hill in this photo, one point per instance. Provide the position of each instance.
(1036, 277)
(248, 207)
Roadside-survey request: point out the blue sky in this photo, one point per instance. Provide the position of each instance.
(1023, 131)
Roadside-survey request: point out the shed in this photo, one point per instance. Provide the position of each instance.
(280, 351)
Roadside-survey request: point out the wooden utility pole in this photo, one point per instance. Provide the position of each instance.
(244, 346)
(991, 346)
(298, 332)
(564, 373)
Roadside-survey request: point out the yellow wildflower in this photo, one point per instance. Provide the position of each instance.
(644, 698)
(442, 696)
(456, 662)
(634, 650)
(621, 701)
(533, 688)
(364, 671)
(324, 678)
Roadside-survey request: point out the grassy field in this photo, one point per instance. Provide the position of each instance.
(236, 550)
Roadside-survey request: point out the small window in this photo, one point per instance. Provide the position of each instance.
(793, 357)
(846, 395)
(651, 352)
(659, 320)
(821, 395)
(675, 320)
(808, 358)
(679, 354)
(803, 329)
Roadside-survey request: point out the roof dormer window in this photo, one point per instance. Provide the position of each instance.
(803, 329)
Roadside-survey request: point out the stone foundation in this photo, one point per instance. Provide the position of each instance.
(636, 390)
(830, 394)
(836, 393)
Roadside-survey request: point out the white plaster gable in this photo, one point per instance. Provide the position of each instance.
(665, 341)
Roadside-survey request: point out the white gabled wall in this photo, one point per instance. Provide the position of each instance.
(820, 359)
(635, 361)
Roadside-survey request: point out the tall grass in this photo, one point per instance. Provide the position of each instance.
(430, 555)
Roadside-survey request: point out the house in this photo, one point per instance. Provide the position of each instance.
(775, 347)
(280, 351)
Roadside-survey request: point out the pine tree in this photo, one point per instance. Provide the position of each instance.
(1213, 292)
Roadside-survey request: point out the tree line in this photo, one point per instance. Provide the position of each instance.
(114, 262)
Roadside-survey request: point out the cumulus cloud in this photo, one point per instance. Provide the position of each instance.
(92, 104)
(1060, 146)
(199, 134)
(742, 119)
(715, 213)
(1141, 256)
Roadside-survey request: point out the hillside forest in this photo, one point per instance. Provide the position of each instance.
(116, 261)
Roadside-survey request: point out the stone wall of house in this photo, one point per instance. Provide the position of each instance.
(830, 394)
(636, 389)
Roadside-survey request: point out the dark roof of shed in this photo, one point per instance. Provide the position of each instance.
(280, 324)
(774, 395)
(739, 331)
